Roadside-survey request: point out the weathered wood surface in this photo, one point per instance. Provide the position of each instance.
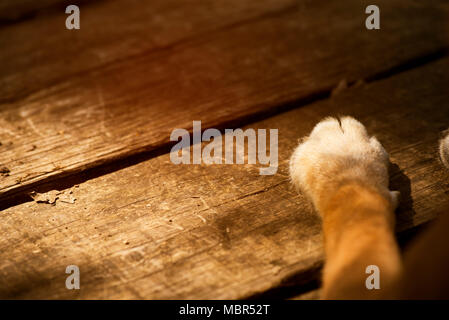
(70, 101)
(159, 230)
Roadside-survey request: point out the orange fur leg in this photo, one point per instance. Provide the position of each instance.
(358, 226)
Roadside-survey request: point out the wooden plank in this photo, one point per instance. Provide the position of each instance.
(42, 52)
(159, 230)
(118, 98)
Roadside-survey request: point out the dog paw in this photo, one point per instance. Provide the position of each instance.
(444, 150)
(339, 151)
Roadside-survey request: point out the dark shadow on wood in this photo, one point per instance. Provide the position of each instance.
(400, 182)
(293, 285)
(411, 64)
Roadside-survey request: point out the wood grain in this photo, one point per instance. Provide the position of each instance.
(76, 100)
(158, 230)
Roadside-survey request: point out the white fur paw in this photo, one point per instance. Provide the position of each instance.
(337, 151)
(444, 150)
